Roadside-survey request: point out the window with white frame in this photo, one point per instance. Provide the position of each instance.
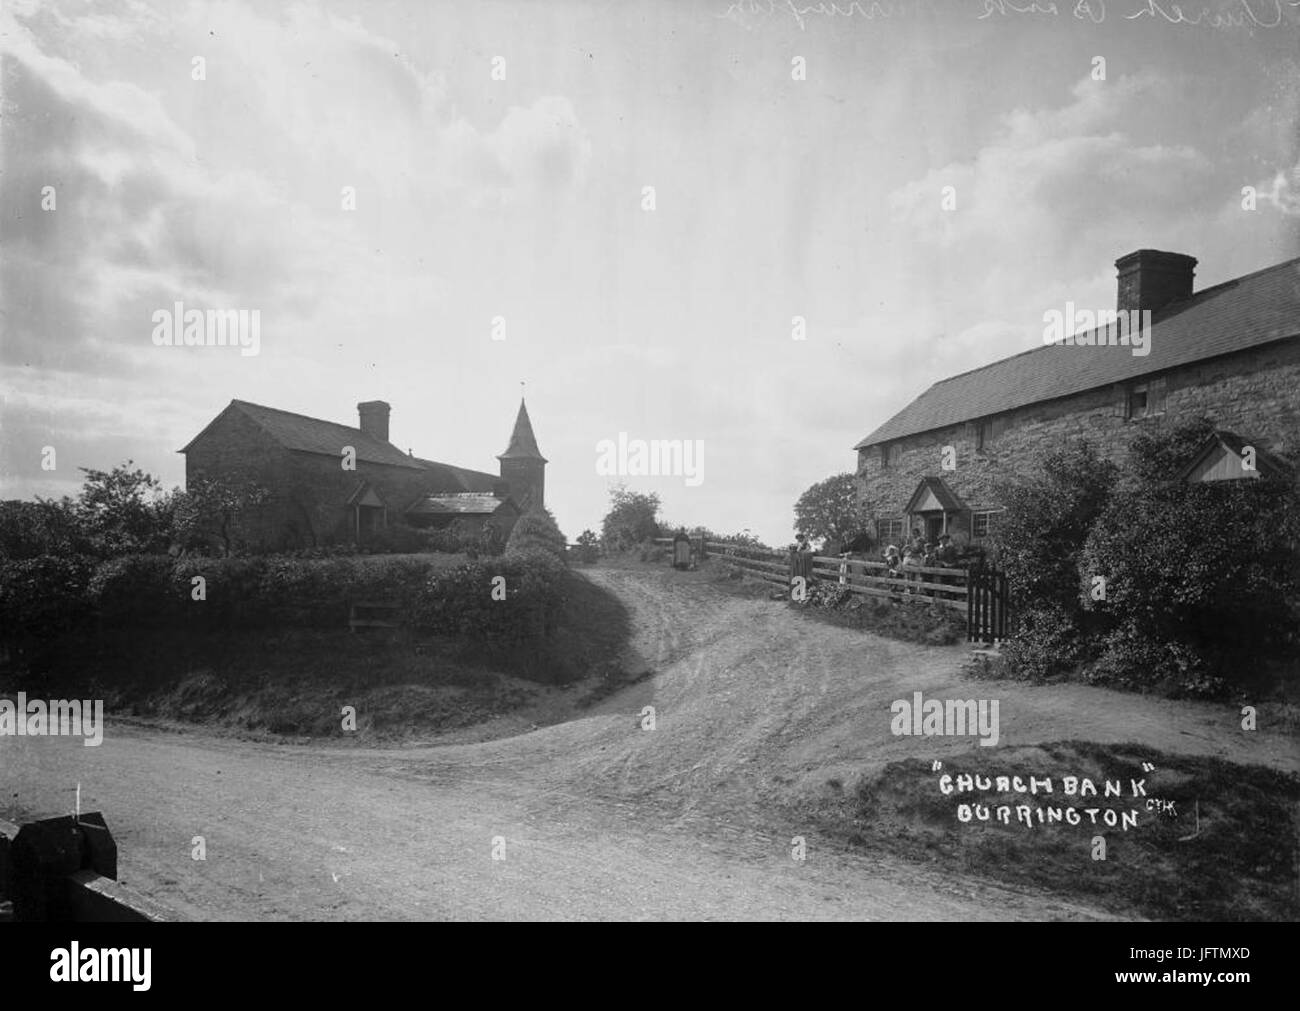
(890, 531)
(984, 522)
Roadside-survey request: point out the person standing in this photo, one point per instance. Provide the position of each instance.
(801, 556)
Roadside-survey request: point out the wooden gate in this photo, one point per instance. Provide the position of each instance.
(987, 604)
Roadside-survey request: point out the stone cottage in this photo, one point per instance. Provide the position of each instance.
(331, 482)
(1230, 353)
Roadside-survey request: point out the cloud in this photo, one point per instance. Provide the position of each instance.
(1052, 181)
(226, 192)
(1282, 191)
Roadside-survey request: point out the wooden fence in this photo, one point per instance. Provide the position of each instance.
(981, 593)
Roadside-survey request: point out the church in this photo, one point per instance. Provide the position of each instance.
(332, 483)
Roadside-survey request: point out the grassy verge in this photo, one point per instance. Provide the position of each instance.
(1241, 865)
(295, 682)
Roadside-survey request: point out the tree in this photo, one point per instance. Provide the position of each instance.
(210, 509)
(829, 509)
(1198, 580)
(123, 511)
(631, 518)
(1039, 541)
(1047, 520)
(43, 527)
(588, 546)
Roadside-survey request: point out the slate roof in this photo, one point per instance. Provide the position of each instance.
(462, 503)
(1239, 314)
(523, 443)
(313, 435)
(458, 479)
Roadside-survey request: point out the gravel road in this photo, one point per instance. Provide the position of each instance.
(596, 818)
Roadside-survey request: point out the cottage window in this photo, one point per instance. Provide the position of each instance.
(886, 454)
(983, 523)
(889, 531)
(1145, 399)
(983, 434)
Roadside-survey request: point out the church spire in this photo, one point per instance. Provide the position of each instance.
(523, 444)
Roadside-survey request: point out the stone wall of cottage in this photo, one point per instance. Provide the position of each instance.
(1254, 393)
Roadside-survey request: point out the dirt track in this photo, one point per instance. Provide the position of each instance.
(601, 819)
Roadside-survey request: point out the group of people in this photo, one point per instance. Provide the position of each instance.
(918, 553)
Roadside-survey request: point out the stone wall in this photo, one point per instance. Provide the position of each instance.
(1254, 393)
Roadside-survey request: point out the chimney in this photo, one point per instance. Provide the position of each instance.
(374, 419)
(1152, 279)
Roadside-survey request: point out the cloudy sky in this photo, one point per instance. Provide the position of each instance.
(524, 198)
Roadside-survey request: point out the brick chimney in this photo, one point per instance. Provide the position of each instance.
(374, 419)
(1152, 279)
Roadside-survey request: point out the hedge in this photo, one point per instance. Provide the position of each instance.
(47, 596)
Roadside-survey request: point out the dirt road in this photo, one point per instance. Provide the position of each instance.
(596, 817)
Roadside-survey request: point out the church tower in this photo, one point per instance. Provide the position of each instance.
(523, 465)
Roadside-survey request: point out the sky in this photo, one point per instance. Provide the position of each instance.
(498, 157)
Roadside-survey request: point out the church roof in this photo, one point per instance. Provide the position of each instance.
(464, 503)
(523, 444)
(302, 434)
(460, 479)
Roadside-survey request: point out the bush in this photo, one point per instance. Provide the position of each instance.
(1047, 520)
(1132, 658)
(588, 547)
(1047, 643)
(1200, 579)
(397, 538)
(537, 529)
(44, 597)
(141, 591)
(1038, 543)
(44, 527)
(513, 600)
(463, 538)
(138, 591)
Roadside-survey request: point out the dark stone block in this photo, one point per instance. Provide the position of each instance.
(46, 853)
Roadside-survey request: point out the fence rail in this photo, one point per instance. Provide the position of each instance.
(979, 592)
